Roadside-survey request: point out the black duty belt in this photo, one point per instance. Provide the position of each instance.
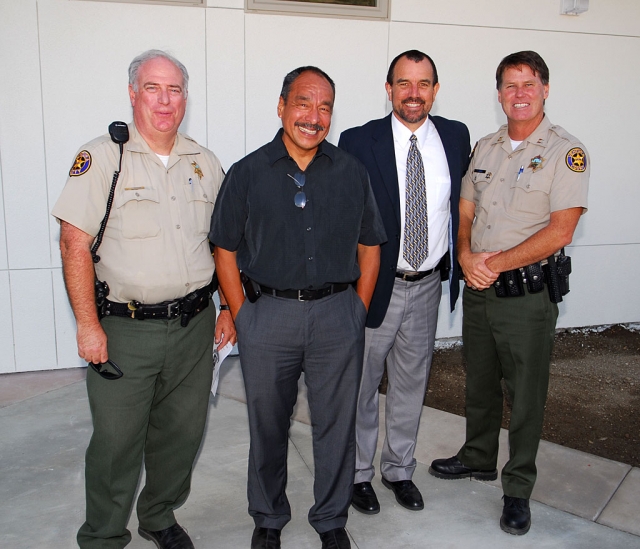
(186, 307)
(415, 276)
(306, 295)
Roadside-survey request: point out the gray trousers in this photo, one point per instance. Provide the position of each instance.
(278, 339)
(405, 341)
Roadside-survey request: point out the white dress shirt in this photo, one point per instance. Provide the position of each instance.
(438, 183)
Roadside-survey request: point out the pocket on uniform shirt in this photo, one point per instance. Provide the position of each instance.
(481, 180)
(139, 210)
(201, 204)
(530, 195)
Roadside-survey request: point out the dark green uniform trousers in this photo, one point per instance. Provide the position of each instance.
(158, 408)
(508, 338)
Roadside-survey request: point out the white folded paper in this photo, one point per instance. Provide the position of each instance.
(218, 357)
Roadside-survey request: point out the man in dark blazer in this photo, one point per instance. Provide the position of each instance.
(415, 163)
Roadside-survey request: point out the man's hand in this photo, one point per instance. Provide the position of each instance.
(476, 273)
(225, 326)
(225, 330)
(92, 343)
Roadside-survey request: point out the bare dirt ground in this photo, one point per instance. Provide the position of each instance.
(594, 391)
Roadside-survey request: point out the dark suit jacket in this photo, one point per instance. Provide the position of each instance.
(373, 145)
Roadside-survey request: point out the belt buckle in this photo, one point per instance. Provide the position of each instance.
(170, 306)
(133, 307)
(300, 295)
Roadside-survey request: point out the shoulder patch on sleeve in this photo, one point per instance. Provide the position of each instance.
(576, 160)
(81, 164)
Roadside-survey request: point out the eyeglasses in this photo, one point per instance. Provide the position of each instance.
(108, 370)
(300, 199)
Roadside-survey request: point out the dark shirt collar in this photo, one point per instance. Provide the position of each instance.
(277, 150)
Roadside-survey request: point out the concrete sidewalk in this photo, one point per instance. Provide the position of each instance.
(580, 501)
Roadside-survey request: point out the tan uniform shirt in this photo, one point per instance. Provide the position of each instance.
(155, 246)
(514, 192)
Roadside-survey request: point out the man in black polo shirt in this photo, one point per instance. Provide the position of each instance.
(298, 218)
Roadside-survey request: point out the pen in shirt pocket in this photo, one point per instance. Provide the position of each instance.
(520, 173)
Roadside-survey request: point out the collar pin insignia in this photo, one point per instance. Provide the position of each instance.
(197, 170)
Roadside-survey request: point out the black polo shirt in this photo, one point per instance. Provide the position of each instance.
(286, 247)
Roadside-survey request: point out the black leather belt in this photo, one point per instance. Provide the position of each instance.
(187, 307)
(305, 295)
(415, 276)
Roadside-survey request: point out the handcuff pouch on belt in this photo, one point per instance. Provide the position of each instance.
(555, 273)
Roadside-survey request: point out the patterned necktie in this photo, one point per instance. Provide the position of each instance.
(416, 236)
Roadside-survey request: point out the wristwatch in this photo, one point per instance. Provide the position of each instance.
(224, 308)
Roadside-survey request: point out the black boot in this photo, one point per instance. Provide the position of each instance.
(516, 516)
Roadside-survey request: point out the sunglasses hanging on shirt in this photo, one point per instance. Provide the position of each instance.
(300, 199)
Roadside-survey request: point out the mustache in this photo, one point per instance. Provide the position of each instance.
(413, 100)
(316, 127)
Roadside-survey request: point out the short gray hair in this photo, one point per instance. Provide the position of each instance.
(148, 55)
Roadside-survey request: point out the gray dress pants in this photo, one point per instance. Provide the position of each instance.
(405, 341)
(278, 339)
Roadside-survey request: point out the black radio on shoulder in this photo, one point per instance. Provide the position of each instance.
(119, 132)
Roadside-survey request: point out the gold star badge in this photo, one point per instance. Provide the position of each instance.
(197, 169)
(81, 164)
(576, 160)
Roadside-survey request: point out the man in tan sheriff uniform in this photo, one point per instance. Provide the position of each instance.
(521, 200)
(157, 326)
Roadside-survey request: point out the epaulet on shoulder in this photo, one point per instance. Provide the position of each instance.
(564, 134)
(490, 136)
(94, 144)
(189, 138)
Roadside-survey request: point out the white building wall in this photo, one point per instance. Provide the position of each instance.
(64, 72)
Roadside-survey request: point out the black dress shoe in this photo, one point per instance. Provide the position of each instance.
(516, 516)
(364, 499)
(173, 537)
(335, 539)
(265, 538)
(407, 494)
(452, 468)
